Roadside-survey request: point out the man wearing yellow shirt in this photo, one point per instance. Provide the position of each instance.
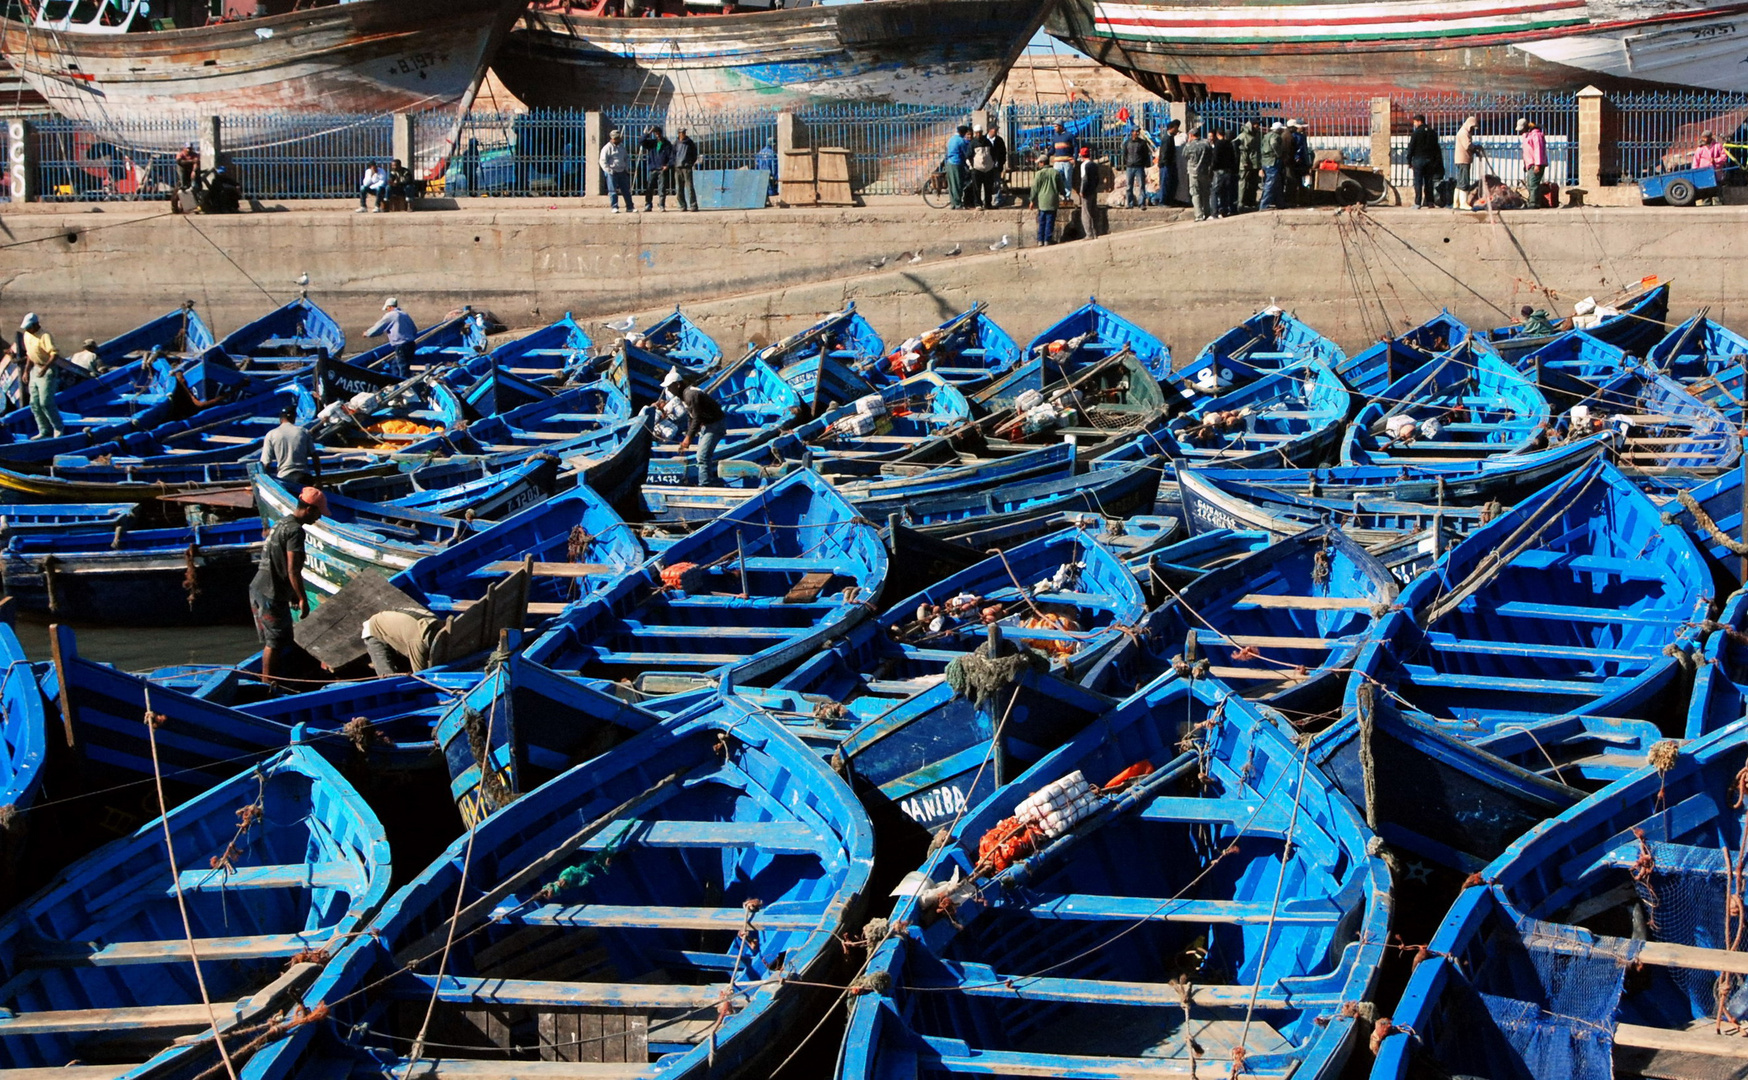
(39, 360)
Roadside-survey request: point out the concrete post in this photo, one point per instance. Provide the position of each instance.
(21, 162)
(980, 119)
(212, 144)
(1596, 140)
(1381, 133)
(790, 134)
(1180, 111)
(402, 142)
(594, 135)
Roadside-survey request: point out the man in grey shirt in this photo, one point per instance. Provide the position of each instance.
(289, 448)
(402, 334)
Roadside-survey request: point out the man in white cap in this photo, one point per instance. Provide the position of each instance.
(35, 350)
(402, 334)
(616, 167)
(705, 422)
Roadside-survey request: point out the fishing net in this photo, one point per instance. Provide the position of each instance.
(1685, 890)
(1540, 1006)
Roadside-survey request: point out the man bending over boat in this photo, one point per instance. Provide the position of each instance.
(400, 640)
(278, 584)
(706, 423)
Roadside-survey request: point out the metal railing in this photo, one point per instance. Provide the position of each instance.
(1656, 131)
(892, 148)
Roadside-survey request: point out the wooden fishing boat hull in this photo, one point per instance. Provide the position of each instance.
(364, 57)
(1126, 489)
(199, 578)
(23, 749)
(918, 52)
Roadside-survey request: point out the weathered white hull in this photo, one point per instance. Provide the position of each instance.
(948, 53)
(372, 56)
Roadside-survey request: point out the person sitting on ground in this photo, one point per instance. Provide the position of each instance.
(278, 586)
(1535, 322)
(86, 358)
(400, 184)
(224, 195)
(400, 640)
(375, 183)
(187, 166)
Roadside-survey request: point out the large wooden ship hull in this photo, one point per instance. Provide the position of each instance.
(371, 56)
(1303, 50)
(916, 52)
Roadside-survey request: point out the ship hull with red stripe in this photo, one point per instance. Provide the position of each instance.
(1274, 50)
(369, 56)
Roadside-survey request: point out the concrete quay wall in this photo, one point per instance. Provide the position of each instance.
(756, 276)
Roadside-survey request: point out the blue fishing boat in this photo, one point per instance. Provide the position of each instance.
(553, 422)
(877, 498)
(522, 725)
(757, 406)
(222, 434)
(452, 347)
(1550, 635)
(179, 332)
(23, 744)
(1711, 513)
(264, 874)
(612, 459)
(1282, 627)
(1125, 489)
(1605, 943)
(196, 575)
(547, 355)
(1668, 435)
(1283, 419)
(1372, 369)
(828, 363)
(1426, 792)
(681, 342)
(289, 338)
(644, 358)
(1172, 893)
(1720, 678)
(1180, 563)
(1093, 332)
(1637, 323)
(968, 350)
(855, 439)
(569, 544)
(1465, 404)
(62, 517)
(1101, 405)
(653, 912)
(756, 590)
(1708, 359)
(1270, 340)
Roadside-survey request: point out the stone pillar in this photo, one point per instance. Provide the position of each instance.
(21, 162)
(1596, 140)
(980, 119)
(402, 143)
(1180, 111)
(212, 145)
(594, 135)
(1381, 134)
(790, 135)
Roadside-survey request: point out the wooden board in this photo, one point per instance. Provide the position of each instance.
(549, 569)
(334, 632)
(1315, 603)
(479, 626)
(833, 177)
(237, 498)
(796, 181)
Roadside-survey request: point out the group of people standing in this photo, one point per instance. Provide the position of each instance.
(668, 167)
(1221, 173)
(976, 161)
(1427, 162)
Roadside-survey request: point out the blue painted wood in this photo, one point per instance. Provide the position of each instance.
(1567, 606)
(734, 621)
(547, 533)
(1669, 435)
(548, 354)
(197, 575)
(527, 724)
(288, 338)
(1286, 418)
(1720, 681)
(1128, 487)
(1068, 962)
(1640, 325)
(627, 864)
(102, 951)
(970, 349)
(1480, 406)
(922, 407)
(1268, 341)
(451, 345)
(1477, 1005)
(23, 736)
(1293, 658)
(1369, 371)
(1105, 333)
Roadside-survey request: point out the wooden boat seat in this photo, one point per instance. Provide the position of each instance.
(779, 837)
(546, 569)
(667, 659)
(1255, 815)
(158, 1018)
(429, 1067)
(654, 917)
(556, 994)
(712, 600)
(772, 562)
(1094, 908)
(1311, 603)
(537, 607)
(953, 1056)
(1263, 641)
(710, 633)
(1570, 613)
(982, 980)
(1256, 674)
(327, 875)
(1446, 643)
(93, 954)
(1425, 676)
(1627, 569)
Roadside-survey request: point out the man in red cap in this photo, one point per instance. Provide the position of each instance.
(278, 585)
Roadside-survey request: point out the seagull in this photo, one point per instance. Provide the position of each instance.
(877, 263)
(303, 281)
(999, 244)
(915, 256)
(623, 326)
(957, 248)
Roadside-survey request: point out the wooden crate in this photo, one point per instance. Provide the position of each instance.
(834, 177)
(797, 183)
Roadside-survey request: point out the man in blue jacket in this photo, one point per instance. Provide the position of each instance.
(658, 159)
(958, 155)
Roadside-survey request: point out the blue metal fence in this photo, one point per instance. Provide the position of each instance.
(893, 149)
(1658, 130)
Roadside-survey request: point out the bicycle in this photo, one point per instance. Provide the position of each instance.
(934, 190)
